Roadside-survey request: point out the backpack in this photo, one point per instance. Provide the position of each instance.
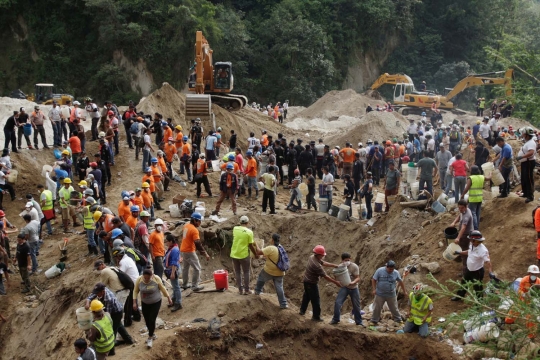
(124, 278)
(283, 263)
(134, 128)
(138, 257)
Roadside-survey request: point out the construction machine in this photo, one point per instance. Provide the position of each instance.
(212, 82)
(43, 94)
(411, 101)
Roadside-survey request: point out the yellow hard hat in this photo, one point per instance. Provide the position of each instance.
(97, 215)
(67, 181)
(83, 183)
(96, 305)
(145, 185)
(178, 127)
(65, 152)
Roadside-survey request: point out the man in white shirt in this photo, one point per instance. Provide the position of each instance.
(430, 146)
(484, 129)
(210, 148)
(93, 110)
(285, 109)
(477, 258)
(147, 150)
(328, 180)
(412, 130)
(449, 178)
(126, 264)
(526, 156)
(55, 115)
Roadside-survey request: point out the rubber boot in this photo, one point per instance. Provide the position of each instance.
(249, 193)
(89, 250)
(65, 223)
(95, 250)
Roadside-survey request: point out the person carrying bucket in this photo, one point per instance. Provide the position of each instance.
(391, 183)
(505, 166)
(350, 290)
(466, 226)
(367, 192)
(420, 310)
(475, 186)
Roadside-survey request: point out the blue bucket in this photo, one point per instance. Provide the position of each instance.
(438, 207)
(27, 128)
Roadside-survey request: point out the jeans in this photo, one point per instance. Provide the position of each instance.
(425, 184)
(475, 210)
(378, 303)
(34, 249)
(127, 126)
(442, 177)
(64, 129)
(310, 200)
(505, 188)
(241, 273)
(101, 243)
(423, 330)
(177, 292)
(158, 266)
(191, 260)
(369, 208)
(20, 133)
(355, 299)
(252, 184)
(527, 178)
(448, 183)
(90, 237)
(150, 313)
(9, 136)
(118, 327)
(263, 278)
(57, 133)
(459, 186)
(146, 159)
(311, 294)
(294, 196)
(2, 288)
(94, 129)
(41, 131)
(203, 181)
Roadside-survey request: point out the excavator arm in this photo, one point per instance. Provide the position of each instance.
(391, 79)
(204, 68)
(483, 80)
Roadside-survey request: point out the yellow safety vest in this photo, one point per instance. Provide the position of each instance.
(48, 200)
(88, 220)
(477, 186)
(105, 328)
(482, 104)
(419, 308)
(66, 195)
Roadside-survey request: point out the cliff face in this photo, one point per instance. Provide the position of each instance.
(365, 64)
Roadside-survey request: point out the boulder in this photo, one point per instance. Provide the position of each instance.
(432, 267)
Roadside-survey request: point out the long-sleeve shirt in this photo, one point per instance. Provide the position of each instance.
(358, 170)
(348, 191)
(150, 292)
(112, 305)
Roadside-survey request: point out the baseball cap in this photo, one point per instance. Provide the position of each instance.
(99, 287)
(98, 263)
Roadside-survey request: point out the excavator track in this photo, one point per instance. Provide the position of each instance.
(198, 105)
(231, 102)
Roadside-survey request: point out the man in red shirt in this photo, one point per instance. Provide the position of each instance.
(75, 145)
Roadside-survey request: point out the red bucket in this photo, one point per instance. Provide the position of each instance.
(221, 279)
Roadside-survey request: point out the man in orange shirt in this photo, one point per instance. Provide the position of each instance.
(201, 176)
(185, 158)
(124, 208)
(191, 241)
(264, 140)
(148, 200)
(138, 200)
(178, 142)
(167, 132)
(347, 155)
(133, 218)
(164, 170)
(251, 172)
(75, 146)
(389, 150)
(170, 149)
(156, 174)
(148, 178)
(157, 247)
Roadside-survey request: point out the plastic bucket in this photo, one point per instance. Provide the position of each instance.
(391, 199)
(215, 165)
(53, 271)
(84, 318)
(378, 207)
(341, 274)
(403, 188)
(303, 189)
(438, 207)
(451, 233)
(334, 210)
(27, 129)
(343, 212)
(443, 199)
(495, 191)
(414, 190)
(497, 178)
(322, 190)
(221, 279)
(45, 169)
(200, 204)
(12, 176)
(483, 333)
(487, 168)
(260, 244)
(260, 185)
(175, 212)
(379, 198)
(412, 173)
(362, 212)
(448, 254)
(323, 205)
(404, 171)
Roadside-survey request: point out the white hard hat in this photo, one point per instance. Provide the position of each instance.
(76, 103)
(158, 222)
(533, 269)
(360, 144)
(244, 219)
(441, 145)
(29, 204)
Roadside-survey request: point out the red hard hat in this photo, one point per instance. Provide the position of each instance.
(93, 164)
(2, 213)
(405, 159)
(170, 139)
(319, 250)
(296, 172)
(110, 113)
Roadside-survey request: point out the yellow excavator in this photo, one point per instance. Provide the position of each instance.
(44, 94)
(412, 101)
(212, 82)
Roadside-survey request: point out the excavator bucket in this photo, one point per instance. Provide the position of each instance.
(198, 105)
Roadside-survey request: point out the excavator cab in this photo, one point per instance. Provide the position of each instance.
(223, 78)
(401, 89)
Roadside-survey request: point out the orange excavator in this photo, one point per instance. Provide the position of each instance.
(212, 82)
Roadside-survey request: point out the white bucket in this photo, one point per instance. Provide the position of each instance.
(412, 172)
(404, 170)
(448, 254)
(341, 274)
(45, 169)
(380, 198)
(483, 333)
(84, 318)
(175, 211)
(487, 168)
(200, 204)
(391, 199)
(12, 176)
(362, 212)
(497, 177)
(200, 210)
(53, 271)
(260, 185)
(303, 189)
(403, 188)
(443, 198)
(414, 190)
(285, 169)
(323, 205)
(215, 165)
(494, 191)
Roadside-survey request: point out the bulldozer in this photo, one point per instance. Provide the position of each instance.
(211, 82)
(43, 94)
(411, 101)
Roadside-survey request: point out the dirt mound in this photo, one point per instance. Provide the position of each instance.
(337, 103)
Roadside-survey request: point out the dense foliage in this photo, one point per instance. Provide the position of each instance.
(280, 49)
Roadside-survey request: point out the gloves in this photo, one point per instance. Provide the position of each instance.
(518, 158)
(457, 252)
(491, 275)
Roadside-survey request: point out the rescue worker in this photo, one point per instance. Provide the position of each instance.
(101, 334)
(526, 157)
(201, 176)
(191, 242)
(89, 227)
(420, 310)
(475, 186)
(228, 185)
(383, 284)
(350, 290)
(64, 196)
(347, 154)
